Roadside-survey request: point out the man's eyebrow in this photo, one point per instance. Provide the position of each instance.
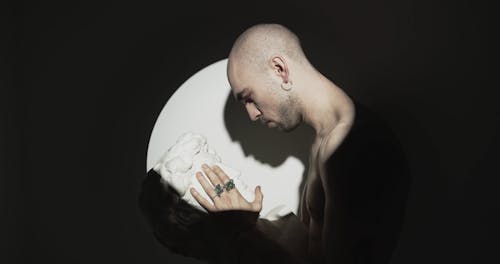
(239, 95)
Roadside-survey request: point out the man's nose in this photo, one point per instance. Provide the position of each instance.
(253, 112)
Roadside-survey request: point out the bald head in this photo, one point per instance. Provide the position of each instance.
(256, 45)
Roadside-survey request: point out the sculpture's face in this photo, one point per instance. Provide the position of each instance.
(181, 162)
(179, 165)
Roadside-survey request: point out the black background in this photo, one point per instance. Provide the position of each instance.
(89, 79)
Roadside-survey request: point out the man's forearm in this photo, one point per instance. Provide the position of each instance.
(336, 244)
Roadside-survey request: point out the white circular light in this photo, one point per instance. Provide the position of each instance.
(198, 106)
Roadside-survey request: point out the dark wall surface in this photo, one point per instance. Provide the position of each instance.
(89, 80)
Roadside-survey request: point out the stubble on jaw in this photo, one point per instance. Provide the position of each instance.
(289, 114)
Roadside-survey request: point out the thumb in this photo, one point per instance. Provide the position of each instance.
(257, 202)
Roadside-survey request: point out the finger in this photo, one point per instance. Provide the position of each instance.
(212, 176)
(205, 184)
(257, 202)
(225, 179)
(202, 201)
(220, 173)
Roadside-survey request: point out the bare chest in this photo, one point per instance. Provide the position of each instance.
(313, 195)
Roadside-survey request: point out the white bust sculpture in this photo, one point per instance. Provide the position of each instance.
(178, 167)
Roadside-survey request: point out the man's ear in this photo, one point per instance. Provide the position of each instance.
(280, 67)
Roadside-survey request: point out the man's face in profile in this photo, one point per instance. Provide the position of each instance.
(263, 98)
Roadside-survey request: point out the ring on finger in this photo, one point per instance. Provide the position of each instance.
(229, 185)
(218, 190)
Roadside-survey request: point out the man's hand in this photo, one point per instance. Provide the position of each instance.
(229, 199)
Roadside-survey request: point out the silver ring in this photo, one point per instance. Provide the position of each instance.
(229, 185)
(218, 190)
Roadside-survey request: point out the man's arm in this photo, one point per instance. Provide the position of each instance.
(262, 241)
(366, 185)
(229, 236)
(336, 246)
(337, 235)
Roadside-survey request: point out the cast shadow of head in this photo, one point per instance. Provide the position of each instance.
(269, 146)
(371, 171)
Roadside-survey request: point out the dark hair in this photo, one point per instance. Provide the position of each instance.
(174, 222)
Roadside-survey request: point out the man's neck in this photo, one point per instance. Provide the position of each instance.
(326, 106)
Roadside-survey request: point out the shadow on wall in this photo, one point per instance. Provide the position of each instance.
(267, 145)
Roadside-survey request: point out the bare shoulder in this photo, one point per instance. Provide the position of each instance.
(327, 149)
(333, 141)
(338, 134)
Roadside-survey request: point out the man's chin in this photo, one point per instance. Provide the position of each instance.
(287, 129)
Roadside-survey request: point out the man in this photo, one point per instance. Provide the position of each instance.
(346, 211)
